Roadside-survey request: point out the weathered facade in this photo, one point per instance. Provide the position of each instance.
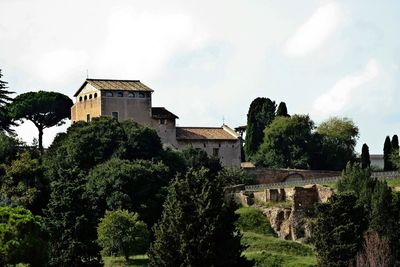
(131, 100)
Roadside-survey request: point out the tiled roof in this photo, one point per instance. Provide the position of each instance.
(203, 133)
(116, 85)
(162, 113)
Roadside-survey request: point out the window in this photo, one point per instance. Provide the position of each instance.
(120, 94)
(109, 94)
(131, 95)
(80, 99)
(85, 98)
(87, 117)
(95, 95)
(141, 95)
(204, 145)
(162, 121)
(90, 96)
(215, 152)
(219, 145)
(114, 115)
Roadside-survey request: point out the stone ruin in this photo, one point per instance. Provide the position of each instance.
(292, 222)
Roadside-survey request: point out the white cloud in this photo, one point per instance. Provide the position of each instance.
(341, 95)
(315, 31)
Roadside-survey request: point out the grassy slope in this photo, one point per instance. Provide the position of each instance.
(134, 261)
(268, 250)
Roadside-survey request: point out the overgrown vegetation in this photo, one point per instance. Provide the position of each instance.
(265, 248)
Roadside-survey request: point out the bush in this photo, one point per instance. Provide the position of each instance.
(252, 219)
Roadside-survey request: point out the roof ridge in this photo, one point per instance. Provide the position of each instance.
(198, 127)
(109, 80)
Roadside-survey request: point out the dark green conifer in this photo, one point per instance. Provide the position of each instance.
(282, 110)
(197, 228)
(261, 114)
(365, 159)
(387, 152)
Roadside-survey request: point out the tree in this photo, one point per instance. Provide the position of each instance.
(44, 109)
(365, 160)
(24, 183)
(261, 114)
(287, 143)
(197, 228)
(338, 230)
(338, 139)
(8, 148)
(197, 158)
(121, 233)
(135, 186)
(282, 110)
(5, 99)
(71, 220)
(395, 157)
(23, 238)
(387, 152)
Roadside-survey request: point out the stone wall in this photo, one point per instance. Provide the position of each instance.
(267, 176)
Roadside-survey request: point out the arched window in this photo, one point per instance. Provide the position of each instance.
(95, 95)
(80, 99)
(120, 94)
(141, 95)
(109, 94)
(90, 96)
(85, 98)
(131, 95)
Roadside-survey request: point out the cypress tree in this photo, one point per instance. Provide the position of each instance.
(261, 114)
(197, 228)
(365, 159)
(395, 143)
(282, 110)
(387, 152)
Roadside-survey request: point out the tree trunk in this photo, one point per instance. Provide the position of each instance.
(40, 140)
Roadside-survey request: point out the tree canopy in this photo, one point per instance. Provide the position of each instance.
(365, 158)
(197, 227)
(261, 114)
(287, 143)
(387, 152)
(43, 109)
(282, 110)
(5, 99)
(338, 137)
(121, 233)
(23, 238)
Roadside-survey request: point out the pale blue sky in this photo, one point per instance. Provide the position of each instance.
(209, 59)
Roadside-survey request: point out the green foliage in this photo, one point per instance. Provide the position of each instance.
(140, 142)
(395, 156)
(252, 219)
(381, 205)
(71, 221)
(197, 227)
(121, 233)
(5, 99)
(22, 237)
(338, 230)
(44, 109)
(282, 110)
(387, 152)
(197, 158)
(338, 137)
(261, 114)
(287, 143)
(365, 159)
(135, 186)
(234, 176)
(8, 148)
(24, 183)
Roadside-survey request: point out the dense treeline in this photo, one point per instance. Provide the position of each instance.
(277, 140)
(360, 226)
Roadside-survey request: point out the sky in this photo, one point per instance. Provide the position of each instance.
(207, 60)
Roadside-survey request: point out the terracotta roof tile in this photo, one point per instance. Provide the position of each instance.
(116, 85)
(162, 113)
(203, 133)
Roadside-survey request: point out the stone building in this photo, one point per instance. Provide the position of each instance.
(131, 100)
